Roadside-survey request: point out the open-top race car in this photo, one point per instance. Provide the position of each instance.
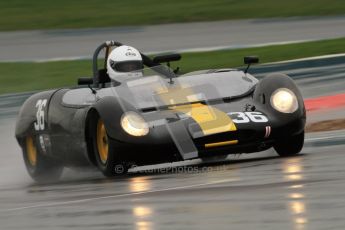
(150, 114)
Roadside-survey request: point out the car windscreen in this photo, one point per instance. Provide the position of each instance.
(158, 87)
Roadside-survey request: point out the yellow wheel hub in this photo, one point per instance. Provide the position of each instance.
(102, 142)
(31, 151)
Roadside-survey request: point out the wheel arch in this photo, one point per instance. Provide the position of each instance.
(266, 86)
(27, 114)
(294, 123)
(110, 109)
(91, 117)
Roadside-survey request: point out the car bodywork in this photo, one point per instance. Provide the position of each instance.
(199, 114)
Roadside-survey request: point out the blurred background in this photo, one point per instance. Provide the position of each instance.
(48, 44)
(53, 41)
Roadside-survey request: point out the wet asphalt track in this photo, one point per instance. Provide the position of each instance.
(48, 44)
(257, 191)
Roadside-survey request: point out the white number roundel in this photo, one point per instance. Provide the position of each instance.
(256, 117)
(239, 117)
(246, 117)
(40, 105)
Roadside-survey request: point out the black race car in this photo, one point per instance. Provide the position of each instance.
(161, 116)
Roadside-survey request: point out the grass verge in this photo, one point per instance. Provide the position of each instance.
(20, 77)
(46, 14)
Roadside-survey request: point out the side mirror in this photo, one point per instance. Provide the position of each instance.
(85, 81)
(248, 60)
(251, 60)
(167, 58)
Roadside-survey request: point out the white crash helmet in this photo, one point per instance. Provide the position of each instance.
(124, 62)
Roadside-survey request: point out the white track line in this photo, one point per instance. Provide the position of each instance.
(192, 50)
(309, 58)
(114, 196)
(196, 50)
(324, 138)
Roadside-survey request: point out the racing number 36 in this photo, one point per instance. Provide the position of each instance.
(40, 105)
(246, 117)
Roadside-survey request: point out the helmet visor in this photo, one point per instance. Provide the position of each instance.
(126, 66)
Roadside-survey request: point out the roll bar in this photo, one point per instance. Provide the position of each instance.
(95, 72)
(146, 60)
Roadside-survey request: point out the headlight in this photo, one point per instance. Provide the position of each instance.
(284, 100)
(134, 124)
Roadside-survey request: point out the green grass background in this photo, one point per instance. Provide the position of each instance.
(19, 77)
(53, 14)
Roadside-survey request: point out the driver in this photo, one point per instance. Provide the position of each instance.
(123, 62)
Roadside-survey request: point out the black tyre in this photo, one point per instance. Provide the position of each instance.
(290, 146)
(41, 168)
(106, 154)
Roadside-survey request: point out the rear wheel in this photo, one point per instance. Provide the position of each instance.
(106, 154)
(290, 146)
(40, 168)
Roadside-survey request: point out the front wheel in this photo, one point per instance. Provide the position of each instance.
(41, 168)
(106, 154)
(290, 146)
